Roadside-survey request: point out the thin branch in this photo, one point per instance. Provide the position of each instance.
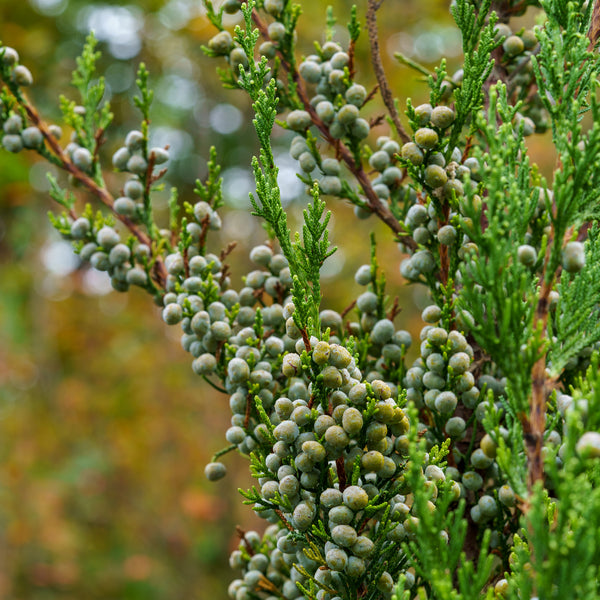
(386, 92)
(594, 32)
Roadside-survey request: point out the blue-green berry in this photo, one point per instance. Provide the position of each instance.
(423, 261)
(417, 215)
(347, 114)
(238, 370)
(10, 56)
(134, 140)
(32, 137)
(120, 158)
(326, 111)
(172, 314)
(205, 364)
(221, 43)
(379, 160)
(307, 162)
(303, 516)
(276, 31)
(336, 559)
(158, 155)
(22, 76)
(442, 117)
(435, 176)
(513, 45)
(352, 421)
(423, 114)
(331, 166)
(344, 535)
(310, 71)
(298, 120)
(137, 164)
(107, 237)
(447, 235)
(446, 402)
(268, 50)
(455, 427)
(137, 276)
(12, 143)
(274, 7)
(363, 275)
(125, 206)
(331, 185)
(360, 128)
(426, 138)
(356, 94)
(215, 471)
(573, 257)
(367, 302)
(355, 497)
(119, 254)
(382, 331)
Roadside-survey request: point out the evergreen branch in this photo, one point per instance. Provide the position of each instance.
(373, 201)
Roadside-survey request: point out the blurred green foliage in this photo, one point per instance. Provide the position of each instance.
(104, 429)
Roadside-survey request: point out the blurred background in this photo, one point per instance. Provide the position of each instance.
(104, 428)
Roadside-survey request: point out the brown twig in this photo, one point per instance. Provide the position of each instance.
(341, 473)
(242, 535)
(594, 32)
(386, 92)
(285, 522)
(348, 309)
(535, 425)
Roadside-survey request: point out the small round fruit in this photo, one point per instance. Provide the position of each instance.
(435, 176)
(134, 140)
(423, 114)
(513, 45)
(355, 497)
(158, 155)
(107, 237)
(356, 94)
(588, 445)
(411, 151)
(573, 257)
(447, 235)
(82, 158)
(12, 143)
(426, 138)
(10, 56)
(310, 71)
(120, 158)
(298, 120)
(22, 76)
(32, 137)
(221, 43)
(137, 164)
(325, 110)
(527, 255)
(379, 160)
(215, 471)
(172, 313)
(274, 7)
(331, 185)
(442, 117)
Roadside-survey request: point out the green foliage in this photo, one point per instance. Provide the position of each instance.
(378, 476)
